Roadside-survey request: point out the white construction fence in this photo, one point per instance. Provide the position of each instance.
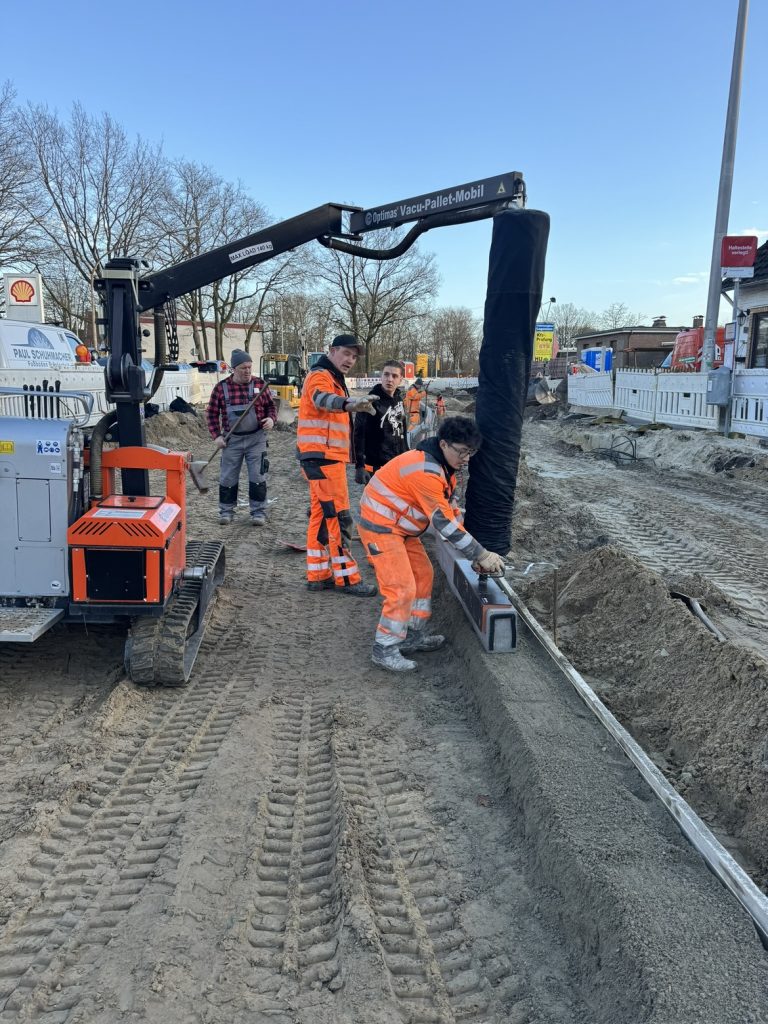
(42, 385)
(187, 382)
(679, 399)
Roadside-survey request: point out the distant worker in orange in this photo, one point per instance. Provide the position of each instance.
(410, 493)
(82, 355)
(325, 445)
(414, 399)
(440, 407)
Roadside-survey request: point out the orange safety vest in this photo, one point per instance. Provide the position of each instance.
(323, 432)
(413, 400)
(405, 492)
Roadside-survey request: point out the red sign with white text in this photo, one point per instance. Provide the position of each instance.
(738, 251)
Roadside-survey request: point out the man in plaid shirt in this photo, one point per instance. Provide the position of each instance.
(229, 399)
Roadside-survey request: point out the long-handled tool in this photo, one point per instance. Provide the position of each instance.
(196, 469)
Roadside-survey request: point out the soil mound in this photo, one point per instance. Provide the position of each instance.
(543, 527)
(699, 706)
(178, 430)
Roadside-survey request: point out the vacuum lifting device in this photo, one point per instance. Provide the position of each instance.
(73, 546)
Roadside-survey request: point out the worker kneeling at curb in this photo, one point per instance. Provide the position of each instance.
(410, 493)
(229, 399)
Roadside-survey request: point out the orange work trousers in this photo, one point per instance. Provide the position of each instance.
(329, 521)
(404, 574)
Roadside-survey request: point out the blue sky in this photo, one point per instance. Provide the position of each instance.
(613, 112)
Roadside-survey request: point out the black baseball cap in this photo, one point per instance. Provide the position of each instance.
(346, 341)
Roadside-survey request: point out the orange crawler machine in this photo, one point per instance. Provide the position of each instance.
(130, 550)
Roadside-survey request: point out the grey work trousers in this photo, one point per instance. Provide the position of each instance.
(252, 448)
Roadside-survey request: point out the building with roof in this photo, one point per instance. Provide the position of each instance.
(753, 301)
(633, 347)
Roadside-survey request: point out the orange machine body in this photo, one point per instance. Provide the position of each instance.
(129, 551)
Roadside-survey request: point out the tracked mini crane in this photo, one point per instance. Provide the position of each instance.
(75, 546)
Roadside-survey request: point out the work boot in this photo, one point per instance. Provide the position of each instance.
(225, 518)
(358, 590)
(418, 640)
(391, 659)
(258, 519)
(321, 584)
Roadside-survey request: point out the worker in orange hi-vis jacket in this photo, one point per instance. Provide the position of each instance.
(325, 447)
(410, 493)
(414, 399)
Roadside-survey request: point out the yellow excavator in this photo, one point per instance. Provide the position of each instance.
(284, 374)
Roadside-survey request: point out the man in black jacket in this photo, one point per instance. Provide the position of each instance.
(381, 437)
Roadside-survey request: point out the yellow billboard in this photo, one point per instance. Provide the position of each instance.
(543, 342)
(422, 364)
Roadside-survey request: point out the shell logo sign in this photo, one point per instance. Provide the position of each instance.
(22, 291)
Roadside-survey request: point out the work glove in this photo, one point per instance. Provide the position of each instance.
(221, 441)
(489, 562)
(362, 476)
(360, 405)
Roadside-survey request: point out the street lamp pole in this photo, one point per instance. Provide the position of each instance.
(549, 306)
(724, 191)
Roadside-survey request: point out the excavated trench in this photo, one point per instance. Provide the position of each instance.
(297, 836)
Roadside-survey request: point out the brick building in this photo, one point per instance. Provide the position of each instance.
(634, 347)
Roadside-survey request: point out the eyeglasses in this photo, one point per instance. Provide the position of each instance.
(463, 453)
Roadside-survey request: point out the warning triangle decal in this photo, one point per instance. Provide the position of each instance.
(501, 191)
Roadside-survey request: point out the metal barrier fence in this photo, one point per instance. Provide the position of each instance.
(635, 394)
(749, 409)
(591, 390)
(43, 386)
(679, 399)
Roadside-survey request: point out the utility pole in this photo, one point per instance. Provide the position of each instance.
(724, 191)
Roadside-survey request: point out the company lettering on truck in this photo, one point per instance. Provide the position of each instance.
(25, 346)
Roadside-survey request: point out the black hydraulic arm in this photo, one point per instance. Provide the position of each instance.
(437, 220)
(127, 292)
(246, 252)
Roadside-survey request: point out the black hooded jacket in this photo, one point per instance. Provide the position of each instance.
(381, 437)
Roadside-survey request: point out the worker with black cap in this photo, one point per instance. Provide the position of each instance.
(325, 447)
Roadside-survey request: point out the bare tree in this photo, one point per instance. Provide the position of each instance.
(14, 175)
(457, 333)
(68, 296)
(298, 321)
(618, 315)
(369, 296)
(93, 191)
(201, 212)
(571, 321)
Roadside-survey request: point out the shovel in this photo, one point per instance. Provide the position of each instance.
(196, 469)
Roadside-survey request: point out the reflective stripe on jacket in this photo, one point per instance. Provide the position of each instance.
(324, 428)
(410, 493)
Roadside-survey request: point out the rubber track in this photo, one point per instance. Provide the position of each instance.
(157, 647)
